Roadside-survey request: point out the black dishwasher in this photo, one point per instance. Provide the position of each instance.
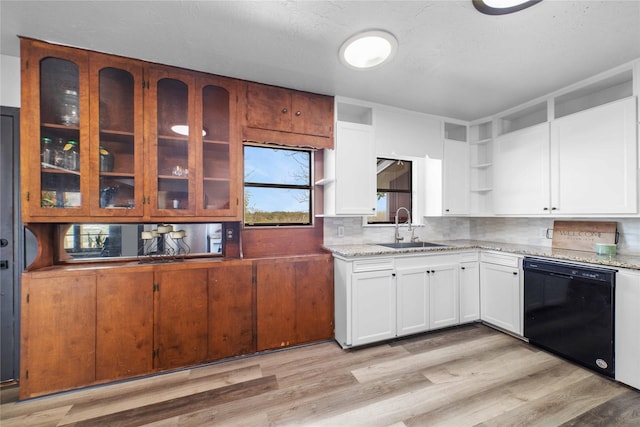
(569, 310)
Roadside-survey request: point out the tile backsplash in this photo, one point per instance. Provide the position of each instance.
(529, 231)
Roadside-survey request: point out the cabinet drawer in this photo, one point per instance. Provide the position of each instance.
(500, 259)
(373, 264)
(469, 256)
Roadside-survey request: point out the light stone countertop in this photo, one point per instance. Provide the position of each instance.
(373, 249)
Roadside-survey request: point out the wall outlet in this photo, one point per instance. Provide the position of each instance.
(340, 231)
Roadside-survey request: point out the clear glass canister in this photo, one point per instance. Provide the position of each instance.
(106, 160)
(72, 156)
(58, 153)
(47, 152)
(70, 115)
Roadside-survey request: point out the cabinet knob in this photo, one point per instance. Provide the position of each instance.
(515, 273)
(285, 111)
(545, 209)
(554, 209)
(462, 268)
(393, 274)
(446, 210)
(298, 113)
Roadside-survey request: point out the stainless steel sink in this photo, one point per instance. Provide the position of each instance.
(402, 245)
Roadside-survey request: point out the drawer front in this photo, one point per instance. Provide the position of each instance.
(469, 256)
(507, 260)
(372, 264)
(427, 260)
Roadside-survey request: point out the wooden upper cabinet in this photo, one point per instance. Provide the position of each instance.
(54, 131)
(112, 137)
(275, 114)
(116, 132)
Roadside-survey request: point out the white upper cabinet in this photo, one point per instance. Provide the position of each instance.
(594, 160)
(521, 171)
(350, 169)
(455, 170)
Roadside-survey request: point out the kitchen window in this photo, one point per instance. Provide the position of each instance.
(393, 190)
(277, 186)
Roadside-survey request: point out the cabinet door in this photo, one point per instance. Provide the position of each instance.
(456, 177)
(181, 317)
(294, 301)
(594, 155)
(500, 297)
(355, 171)
(230, 310)
(412, 300)
(124, 324)
(170, 119)
(521, 171)
(627, 324)
(268, 107)
(58, 345)
(443, 296)
(55, 112)
(311, 114)
(469, 292)
(116, 131)
(373, 307)
(218, 154)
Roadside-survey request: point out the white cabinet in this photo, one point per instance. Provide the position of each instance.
(501, 291)
(456, 177)
(350, 171)
(412, 300)
(374, 311)
(627, 328)
(469, 291)
(521, 171)
(443, 296)
(594, 160)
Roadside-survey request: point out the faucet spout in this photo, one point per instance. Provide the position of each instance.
(398, 238)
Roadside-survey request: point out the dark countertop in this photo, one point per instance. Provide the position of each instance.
(372, 249)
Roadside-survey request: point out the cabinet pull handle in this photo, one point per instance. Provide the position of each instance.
(298, 113)
(285, 111)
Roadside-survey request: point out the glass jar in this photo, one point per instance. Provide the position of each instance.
(72, 156)
(47, 152)
(106, 160)
(70, 115)
(58, 153)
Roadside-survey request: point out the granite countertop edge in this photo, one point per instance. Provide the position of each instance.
(629, 261)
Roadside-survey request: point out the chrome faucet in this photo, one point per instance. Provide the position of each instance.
(398, 237)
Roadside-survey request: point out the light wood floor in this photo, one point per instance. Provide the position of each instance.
(471, 375)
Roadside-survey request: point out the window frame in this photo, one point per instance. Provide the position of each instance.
(310, 187)
(411, 191)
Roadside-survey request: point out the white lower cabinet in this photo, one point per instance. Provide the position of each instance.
(412, 300)
(501, 291)
(443, 296)
(469, 291)
(627, 328)
(374, 313)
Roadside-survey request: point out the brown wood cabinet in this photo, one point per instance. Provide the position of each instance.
(294, 301)
(112, 137)
(288, 116)
(58, 344)
(124, 323)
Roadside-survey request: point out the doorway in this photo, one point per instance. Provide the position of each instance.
(11, 245)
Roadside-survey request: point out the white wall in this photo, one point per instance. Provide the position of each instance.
(9, 81)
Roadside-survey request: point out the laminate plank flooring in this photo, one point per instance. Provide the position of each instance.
(465, 376)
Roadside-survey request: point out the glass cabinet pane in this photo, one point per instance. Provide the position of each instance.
(173, 144)
(59, 134)
(116, 152)
(215, 152)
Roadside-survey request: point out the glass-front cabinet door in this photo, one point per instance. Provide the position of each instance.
(58, 163)
(217, 182)
(116, 137)
(170, 120)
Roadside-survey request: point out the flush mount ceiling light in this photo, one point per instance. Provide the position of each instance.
(502, 7)
(368, 49)
(184, 130)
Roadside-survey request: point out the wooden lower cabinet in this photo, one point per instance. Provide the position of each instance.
(294, 301)
(85, 326)
(231, 310)
(58, 345)
(124, 324)
(181, 317)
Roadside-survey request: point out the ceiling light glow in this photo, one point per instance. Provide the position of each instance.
(368, 49)
(502, 7)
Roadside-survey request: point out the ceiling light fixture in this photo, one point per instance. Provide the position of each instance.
(502, 7)
(368, 49)
(184, 130)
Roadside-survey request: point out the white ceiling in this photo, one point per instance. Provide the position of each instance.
(452, 61)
